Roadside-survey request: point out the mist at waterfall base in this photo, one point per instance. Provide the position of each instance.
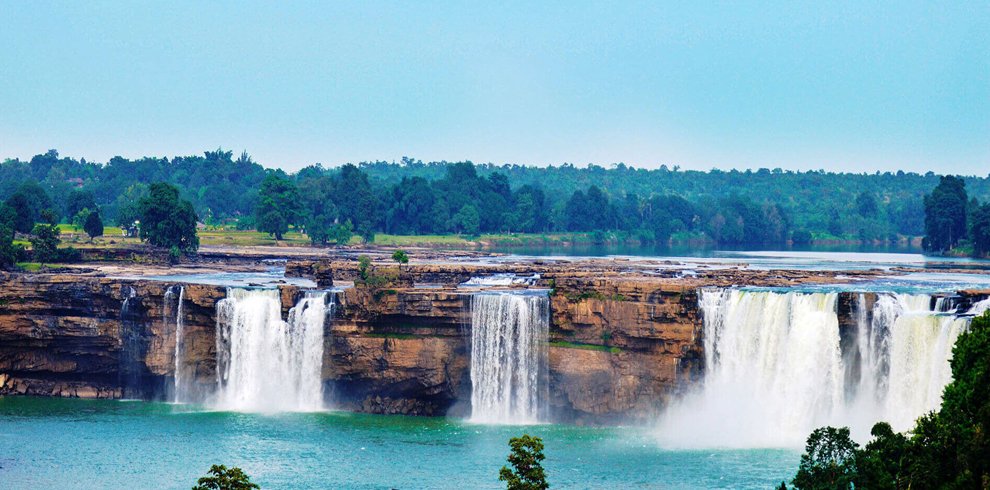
(264, 364)
(776, 369)
(509, 361)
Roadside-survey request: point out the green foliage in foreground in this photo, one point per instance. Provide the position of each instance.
(949, 448)
(221, 478)
(527, 471)
(829, 461)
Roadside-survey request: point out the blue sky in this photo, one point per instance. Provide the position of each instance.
(858, 86)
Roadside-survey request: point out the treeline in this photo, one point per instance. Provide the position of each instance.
(412, 197)
(328, 204)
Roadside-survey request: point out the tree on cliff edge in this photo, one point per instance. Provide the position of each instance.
(168, 221)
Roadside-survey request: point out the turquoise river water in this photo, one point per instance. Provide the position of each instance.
(56, 443)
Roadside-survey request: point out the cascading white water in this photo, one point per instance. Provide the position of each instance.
(264, 363)
(921, 343)
(181, 391)
(775, 369)
(509, 357)
(131, 355)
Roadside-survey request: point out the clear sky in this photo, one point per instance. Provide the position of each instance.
(860, 86)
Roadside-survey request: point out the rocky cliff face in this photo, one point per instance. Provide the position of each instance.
(617, 349)
(620, 347)
(398, 351)
(70, 335)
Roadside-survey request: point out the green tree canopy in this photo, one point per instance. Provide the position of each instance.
(278, 205)
(222, 478)
(79, 200)
(866, 205)
(319, 214)
(28, 203)
(8, 252)
(44, 243)
(466, 220)
(525, 459)
(945, 214)
(93, 225)
(422, 197)
(828, 462)
(357, 201)
(167, 220)
(879, 464)
(979, 229)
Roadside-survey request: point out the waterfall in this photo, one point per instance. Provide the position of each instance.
(921, 343)
(509, 357)
(776, 370)
(181, 391)
(132, 349)
(267, 364)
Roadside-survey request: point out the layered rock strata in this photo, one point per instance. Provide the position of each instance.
(621, 345)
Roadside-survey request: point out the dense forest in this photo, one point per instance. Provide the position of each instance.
(413, 197)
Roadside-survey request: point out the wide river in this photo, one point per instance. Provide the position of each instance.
(61, 443)
(56, 443)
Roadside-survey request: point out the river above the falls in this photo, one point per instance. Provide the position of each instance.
(71, 443)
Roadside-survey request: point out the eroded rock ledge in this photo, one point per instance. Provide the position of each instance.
(623, 340)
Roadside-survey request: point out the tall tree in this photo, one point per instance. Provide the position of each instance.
(945, 214)
(412, 204)
(93, 225)
(278, 205)
(466, 220)
(356, 200)
(167, 220)
(979, 229)
(317, 208)
(79, 200)
(44, 243)
(828, 462)
(526, 459)
(8, 252)
(880, 464)
(28, 202)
